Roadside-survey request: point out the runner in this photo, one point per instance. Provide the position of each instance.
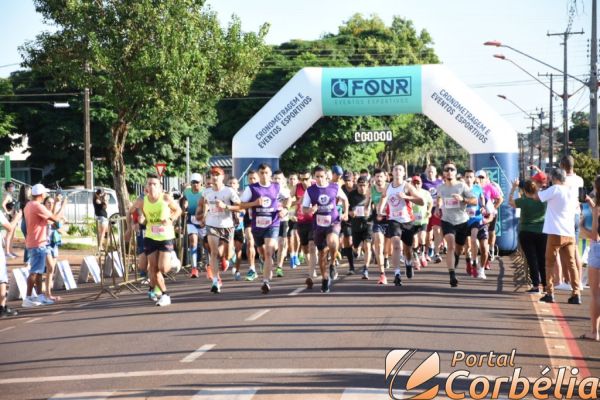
(263, 197)
(283, 241)
(320, 200)
(362, 229)
(493, 192)
(478, 229)
(398, 198)
(422, 215)
(293, 237)
(348, 187)
(431, 182)
(379, 218)
(305, 227)
(238, 233)
(250, 246)
(214, 212)
(160, 211)
(195, 232)
(453, 197)
(6, 311)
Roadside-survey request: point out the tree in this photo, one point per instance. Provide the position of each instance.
(586, 167)
(149, 60)
(7, 118)
(360, 41)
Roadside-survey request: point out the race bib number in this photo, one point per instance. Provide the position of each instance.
(194, 220)
(214, 209)
(399, 213)
(263, 222)
(158, 229)
(359, 211)
(451, 202)
(471, 211)
(324, 220)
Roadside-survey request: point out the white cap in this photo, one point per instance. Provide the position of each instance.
(196, 177)
(38, 189)
(480, 173)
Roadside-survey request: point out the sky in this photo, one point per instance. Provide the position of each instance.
(458, 28)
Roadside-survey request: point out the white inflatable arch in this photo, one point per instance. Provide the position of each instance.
(428, 89)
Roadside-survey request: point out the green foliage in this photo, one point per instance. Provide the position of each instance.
(359, 42)
(158, 67)
(7, 118)
(586, 167)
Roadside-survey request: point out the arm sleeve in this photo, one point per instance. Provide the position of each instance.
(306, 200)
(547, 194)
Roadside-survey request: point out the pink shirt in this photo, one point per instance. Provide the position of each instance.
(492, 191)
(36, 218)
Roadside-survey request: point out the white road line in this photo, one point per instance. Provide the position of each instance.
(364, 393)
(257, 315)
(8, 328)
(82, 305)
(192, 371)
(33, 320)
(58, 312)
(226, 394)
(197, 353)
(296, 291)
(82, 395)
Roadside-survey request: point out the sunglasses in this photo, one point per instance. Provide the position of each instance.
(195, 182)
(305, 179)
(481, 177)
(449, 169)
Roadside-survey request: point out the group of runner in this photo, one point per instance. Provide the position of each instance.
(319, 216)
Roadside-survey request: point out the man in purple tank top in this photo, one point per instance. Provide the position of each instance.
(320, 200)
(267, 210)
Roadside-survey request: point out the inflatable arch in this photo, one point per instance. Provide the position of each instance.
(428, 89)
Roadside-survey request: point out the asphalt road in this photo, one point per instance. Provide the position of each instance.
(242, 344)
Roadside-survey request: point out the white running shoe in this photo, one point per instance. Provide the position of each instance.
(29, 302)
(481, 273)
(44, 300)
(165, 300)
(563, 286)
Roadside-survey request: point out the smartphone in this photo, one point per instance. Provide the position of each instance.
(582, 194)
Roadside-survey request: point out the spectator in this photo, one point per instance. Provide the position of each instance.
(531, 236)
(594, 263)
(54, 241)
(541, 180)
(37, 217)
(9, 209)
(24, 197)
(100, 206)
(6, 311)
(575, 183)
(558, 225)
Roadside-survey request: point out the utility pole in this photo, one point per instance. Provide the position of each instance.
(593, 140)
(551, 123)
(541, 116)
(87, 145)
(565, 95)
(531, 142)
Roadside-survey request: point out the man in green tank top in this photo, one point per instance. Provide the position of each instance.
(160, 210)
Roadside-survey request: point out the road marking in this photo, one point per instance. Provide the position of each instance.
(257, 315)
(8, 328)
(83, 395)
(82, 305)
(362, 393)
(208, 371)
(58, 312)
(296, 291)
(197, 353)
(226, 394)
(33, 320)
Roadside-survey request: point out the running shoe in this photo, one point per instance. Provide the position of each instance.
(469, 267)
(386, 263)
(365, 273)
(487, 265)
(453, 280)
(152, 296)
(45, 300)
(333, 272)
(251, 275)
(215, 288)
(292, 262)
(279, 272)
(194, 273)
(325, 286)
(382, 279)
(301, 258)
(30, 301)
(165, 300)
(575, 299)
(265, 288)
(297, 260)
(475, 270)
(547, 298)
(409, 271)
(6, 311)
(437, 259)
(351, 271)
(533, 290)
(209, 274)
(237, 276)
(224, 264)
(481, 273)
(397, 280)
(309, 283)
(423, 261)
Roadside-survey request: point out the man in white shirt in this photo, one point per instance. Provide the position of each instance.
(558, 225)
(575, 183)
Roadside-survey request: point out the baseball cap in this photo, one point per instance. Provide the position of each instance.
(336, 169)
(347, 176)
(540, 177)
(217, 171)
(416, 178)
(480, 173)
(196, 177)
(38, 189)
